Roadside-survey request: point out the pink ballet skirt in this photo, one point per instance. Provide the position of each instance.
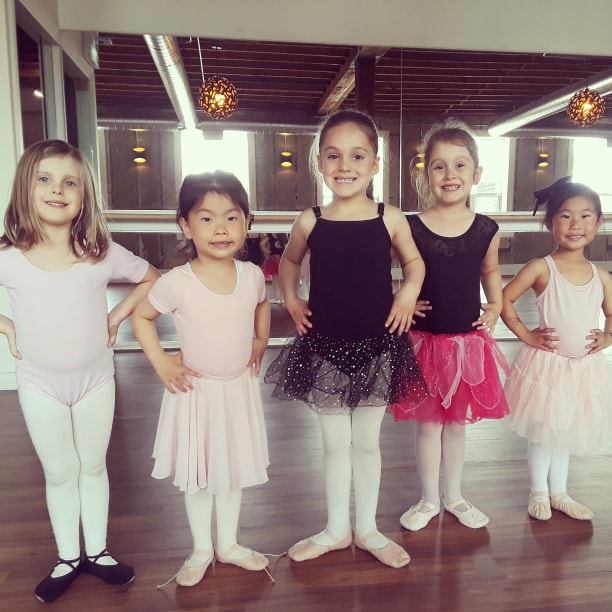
(561, 400)
(270, 266)
(462, 375)
(213, 437)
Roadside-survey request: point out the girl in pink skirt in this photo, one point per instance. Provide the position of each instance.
(452, 333)
(560, 388)
(211, 435)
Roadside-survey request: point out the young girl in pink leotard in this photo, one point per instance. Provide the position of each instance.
(211, 434)
(56, 259)
(559, 388)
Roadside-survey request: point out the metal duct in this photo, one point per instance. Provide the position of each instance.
(134, 124)
(551, 104)
(167, 57)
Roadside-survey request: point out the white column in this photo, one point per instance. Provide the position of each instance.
(11, 137)
(85, 91)
(52, 67)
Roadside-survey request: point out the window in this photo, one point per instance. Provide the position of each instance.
(230, 153)
(592, 164)
(491, 193)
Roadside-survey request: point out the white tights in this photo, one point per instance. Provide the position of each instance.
(199, 514)
(71, 443)
(351, 449)
(548, 467)
(436, 444)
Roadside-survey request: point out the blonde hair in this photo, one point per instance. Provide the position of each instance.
(22, 226)
(452, 131)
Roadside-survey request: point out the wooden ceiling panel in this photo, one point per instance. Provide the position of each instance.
(298, 82)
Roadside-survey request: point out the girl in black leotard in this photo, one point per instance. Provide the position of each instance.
(352, 355)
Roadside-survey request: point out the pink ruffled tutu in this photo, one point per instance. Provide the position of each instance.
(462, 375)
(561, 400)
(213, 437)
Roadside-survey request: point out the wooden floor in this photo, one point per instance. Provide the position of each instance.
(515, 563)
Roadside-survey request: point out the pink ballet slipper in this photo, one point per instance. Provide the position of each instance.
(307, 549)
(190, 575)
(564, 503)
(538, 506)
(391, 554)
(255, 562)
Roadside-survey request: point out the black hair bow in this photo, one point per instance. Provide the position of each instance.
(543, 195)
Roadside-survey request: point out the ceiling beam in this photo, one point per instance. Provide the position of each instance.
(344, 81)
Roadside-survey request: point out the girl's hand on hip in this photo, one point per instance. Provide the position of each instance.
(421, 307)
(7, 327)
(174, 374)
(488, 319)
(299, 311)
(543, 339)
(400, 317)
(601, 340)
(259, 348)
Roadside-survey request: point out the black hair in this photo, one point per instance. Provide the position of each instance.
(196, 187)
(556, 194)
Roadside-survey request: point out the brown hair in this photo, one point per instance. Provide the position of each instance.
(451, 131)
(340, 117)
(22, 227)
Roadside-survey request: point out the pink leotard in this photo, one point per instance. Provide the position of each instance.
(573, 310)
(61, 320)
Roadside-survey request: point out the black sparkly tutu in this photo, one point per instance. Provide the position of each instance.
(335, 375)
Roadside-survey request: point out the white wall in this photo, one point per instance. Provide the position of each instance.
(554, 26)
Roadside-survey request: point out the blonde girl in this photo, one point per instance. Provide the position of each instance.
(452, 331)
(56, 260)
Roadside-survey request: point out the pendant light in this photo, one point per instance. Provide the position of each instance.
(218, 96)
(286, 157)
(586, 107)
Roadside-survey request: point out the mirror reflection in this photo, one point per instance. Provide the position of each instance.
(146, 145)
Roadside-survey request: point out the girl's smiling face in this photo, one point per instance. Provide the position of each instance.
(217, 226)
(575, 224)
(451, 173)
(347, 160)
(58, 191)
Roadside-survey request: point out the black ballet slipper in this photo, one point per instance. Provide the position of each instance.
(51, 588)
(118, 574)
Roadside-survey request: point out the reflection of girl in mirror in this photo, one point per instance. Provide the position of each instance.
(452, 331)
(211, 435)
(560, 388)
(273, 246)
(351, 357)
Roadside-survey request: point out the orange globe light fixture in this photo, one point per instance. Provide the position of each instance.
(218, 97)
(586, 107)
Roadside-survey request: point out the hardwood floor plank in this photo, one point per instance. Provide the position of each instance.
(514, 563)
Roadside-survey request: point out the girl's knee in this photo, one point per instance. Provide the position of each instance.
(430, 429)
(93, 470)
(60, 474)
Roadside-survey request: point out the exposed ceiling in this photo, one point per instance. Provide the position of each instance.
(296, 83)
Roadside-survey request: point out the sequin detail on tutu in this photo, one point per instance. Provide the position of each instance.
(561, 400)
(462, 375)
(334, 375)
